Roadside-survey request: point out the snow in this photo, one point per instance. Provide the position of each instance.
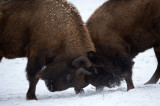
(13, 83)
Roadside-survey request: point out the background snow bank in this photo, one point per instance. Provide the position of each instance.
(13, 83)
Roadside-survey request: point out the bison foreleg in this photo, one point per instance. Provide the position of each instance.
(128, 79)
(34, 65)
(128, 73)
(125, 63)
(156, 75)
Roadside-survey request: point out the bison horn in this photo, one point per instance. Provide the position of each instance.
(82, 62)
(82, 70)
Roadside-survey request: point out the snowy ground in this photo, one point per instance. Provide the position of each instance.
(13, 83)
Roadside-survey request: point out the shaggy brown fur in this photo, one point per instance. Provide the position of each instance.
(120, 29)
(44, 31)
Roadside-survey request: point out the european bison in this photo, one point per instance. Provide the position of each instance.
(44, 31)
(120, 29)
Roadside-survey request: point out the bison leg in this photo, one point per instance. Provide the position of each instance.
(128, 74)
(128, 79)
(34, 65)
(126, 63)
(156, 75)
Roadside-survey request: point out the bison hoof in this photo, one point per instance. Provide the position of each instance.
(129, 88)
(31, 97)
(79, 91)
(147, 83)
(150, 82)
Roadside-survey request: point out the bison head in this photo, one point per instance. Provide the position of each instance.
(106, 71)
(61, 75)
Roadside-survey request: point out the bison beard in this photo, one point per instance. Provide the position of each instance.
(108, 80)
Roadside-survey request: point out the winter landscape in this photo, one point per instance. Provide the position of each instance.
(13, 83)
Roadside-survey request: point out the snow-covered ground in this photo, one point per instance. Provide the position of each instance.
(13, 83)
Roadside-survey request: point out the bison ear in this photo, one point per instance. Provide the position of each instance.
(92, 56)
(82, 62)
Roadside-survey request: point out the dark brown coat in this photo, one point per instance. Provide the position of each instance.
(44, 31)
(120, 29)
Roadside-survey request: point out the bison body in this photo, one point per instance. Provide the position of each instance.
(120, 29)
(44, 31)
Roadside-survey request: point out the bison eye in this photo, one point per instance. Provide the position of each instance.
(68, 78)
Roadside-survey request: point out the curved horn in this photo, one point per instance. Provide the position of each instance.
(82, 62)
(82, 70)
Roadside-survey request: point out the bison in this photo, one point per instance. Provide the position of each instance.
(49, 33)
(120, 29)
